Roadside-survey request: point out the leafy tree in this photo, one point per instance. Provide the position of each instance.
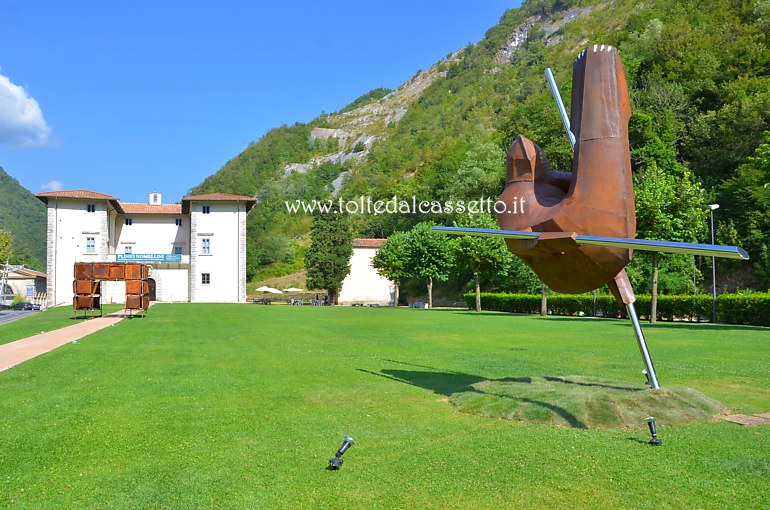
(5, 246)
(430, 255)
(480, 255)
(392, 260)
(519, 278)
(481, 174)
(328, 258)
(668, 208)
(748, 196)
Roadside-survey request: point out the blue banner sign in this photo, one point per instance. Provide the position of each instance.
(147, 257)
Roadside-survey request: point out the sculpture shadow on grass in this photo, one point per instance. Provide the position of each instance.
(592, 384)
(568, 401)
(451, 383)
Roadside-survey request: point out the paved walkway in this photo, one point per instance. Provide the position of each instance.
(22, 350)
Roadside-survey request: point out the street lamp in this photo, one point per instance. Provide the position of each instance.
(712, 208)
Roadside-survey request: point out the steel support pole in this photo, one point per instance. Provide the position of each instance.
(643, 346)
(713, 274)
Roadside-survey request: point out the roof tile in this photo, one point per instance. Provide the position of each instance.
(75, 193)
(367, 243)
(142, 208)
(220, 197)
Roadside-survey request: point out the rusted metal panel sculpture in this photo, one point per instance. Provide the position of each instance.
(579, 229)
(88, 278)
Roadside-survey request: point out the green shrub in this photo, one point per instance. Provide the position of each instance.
(751, 309)
(744, 308)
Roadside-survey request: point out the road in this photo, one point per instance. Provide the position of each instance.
(7, 316)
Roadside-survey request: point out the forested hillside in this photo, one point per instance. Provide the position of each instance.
(27, 228)
(699, 79)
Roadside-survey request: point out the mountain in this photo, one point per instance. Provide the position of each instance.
(28, 228)
(699, 80)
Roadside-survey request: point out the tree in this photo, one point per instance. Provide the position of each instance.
(328, 258)
(5, 246)
(392, 260)
(479, 175)
(748, 196)
(430, 255)
(480, 255)
(670, 208)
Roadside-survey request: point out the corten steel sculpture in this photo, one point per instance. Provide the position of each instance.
(87, 284)
(577, 231)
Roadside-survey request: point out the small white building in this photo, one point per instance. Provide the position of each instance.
(364, 285)
(196, 249)
(24, 282)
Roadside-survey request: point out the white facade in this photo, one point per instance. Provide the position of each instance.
(218, 249)
(364, 285)
(196, 249)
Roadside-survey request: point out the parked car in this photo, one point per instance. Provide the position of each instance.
(25, 305)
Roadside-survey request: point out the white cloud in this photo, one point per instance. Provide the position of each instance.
(52, 186)
(21, 120)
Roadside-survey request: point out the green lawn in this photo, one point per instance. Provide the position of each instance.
(241, 406)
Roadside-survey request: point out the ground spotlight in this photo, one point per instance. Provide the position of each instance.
(336, 462)
(653, 431)
(646, 374)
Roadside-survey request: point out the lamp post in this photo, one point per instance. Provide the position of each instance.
(712, 208)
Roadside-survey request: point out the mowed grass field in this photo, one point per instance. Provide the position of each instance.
(241, 406)
(48, 320)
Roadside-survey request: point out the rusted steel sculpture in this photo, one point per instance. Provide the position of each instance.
(596, 198)
(578, 231)
(87, 284)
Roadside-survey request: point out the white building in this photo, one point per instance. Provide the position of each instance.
(21, 281)
(364, 285)
(196, 249)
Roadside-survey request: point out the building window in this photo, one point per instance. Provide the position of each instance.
(91, 207)
(177, 250)
(129, 221)
(206, 246)
(205, 278)
(30, 291)
(206, 209)
(128, 250)
(178, 222)
(90, 245)
(154, 198)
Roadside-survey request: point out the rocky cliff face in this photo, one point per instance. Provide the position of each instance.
(357, 130)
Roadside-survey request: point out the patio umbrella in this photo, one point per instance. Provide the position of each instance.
(263, 288)
(292, 289)
(273, 291)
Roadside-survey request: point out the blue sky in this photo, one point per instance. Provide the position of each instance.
(125, 98)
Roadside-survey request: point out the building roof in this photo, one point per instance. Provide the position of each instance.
(80, 194)
(217, 197)
(74, 193)
(213, 197)
(142, 208)
(26, 272)
(367, 243)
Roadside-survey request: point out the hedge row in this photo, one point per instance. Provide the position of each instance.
(731, 308)
(744, 309)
